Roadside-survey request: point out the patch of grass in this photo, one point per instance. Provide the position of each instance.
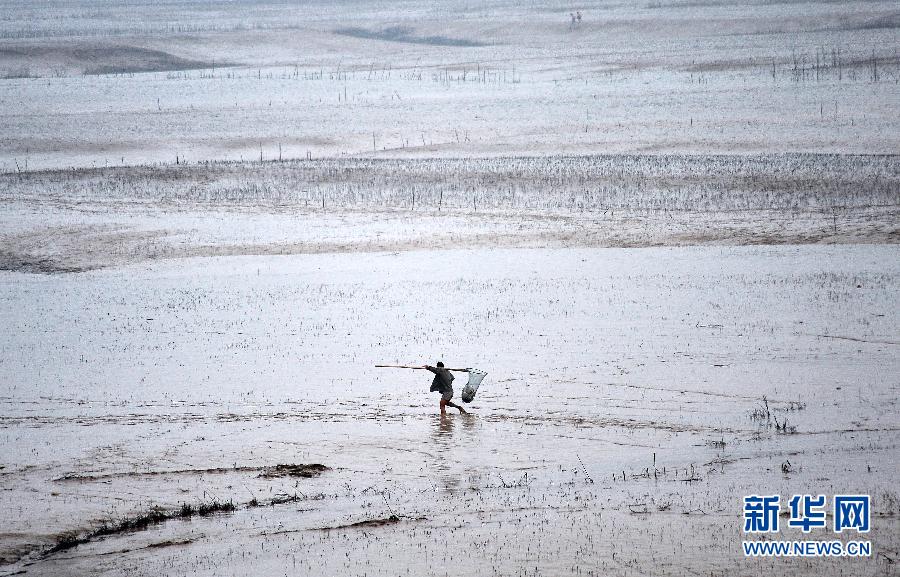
(214, 506)
(154, 516)
(304, 471)
(784, 428)
(761, 413)
(65, 541)
(140, 522)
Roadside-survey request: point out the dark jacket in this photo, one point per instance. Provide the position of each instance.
(443, 379)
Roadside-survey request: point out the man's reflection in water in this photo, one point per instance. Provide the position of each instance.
(451, 461)
(469, 421)
(442, 434)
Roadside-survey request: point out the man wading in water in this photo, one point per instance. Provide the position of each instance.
(443, 383)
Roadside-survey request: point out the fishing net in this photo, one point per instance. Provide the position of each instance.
(475, 378)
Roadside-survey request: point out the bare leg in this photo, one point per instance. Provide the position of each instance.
(455, 406)
(443, 404)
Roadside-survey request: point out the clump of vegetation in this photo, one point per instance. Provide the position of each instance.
(154, 516)
(205, 509)
(784, 428)
(889, 504)
(767, 416)
(761, 413)
(140, 522)
(67, 540)
(305, 471)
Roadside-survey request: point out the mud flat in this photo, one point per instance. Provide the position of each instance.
(620, 426)
(266, 80)
(71, 221)
(669, 234)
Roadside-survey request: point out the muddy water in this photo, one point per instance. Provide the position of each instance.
(614, 432)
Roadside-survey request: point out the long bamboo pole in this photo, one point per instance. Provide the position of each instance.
(415, 367)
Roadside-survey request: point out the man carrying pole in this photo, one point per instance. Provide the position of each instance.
(443, 383)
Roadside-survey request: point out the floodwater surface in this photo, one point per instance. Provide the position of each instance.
(633, 397)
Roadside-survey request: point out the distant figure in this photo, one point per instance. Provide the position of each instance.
(443, 383)
(578, 16)
(572, 16)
